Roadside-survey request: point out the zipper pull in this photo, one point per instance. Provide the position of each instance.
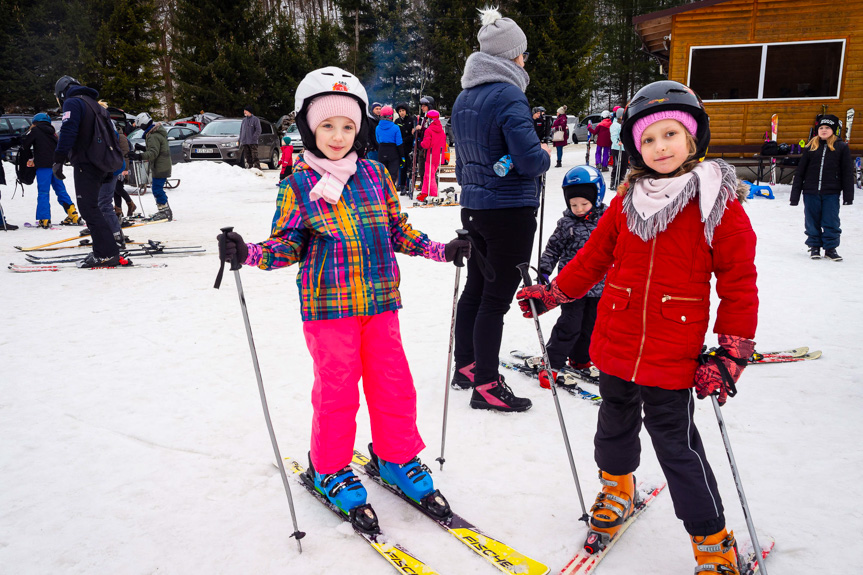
(666, 298)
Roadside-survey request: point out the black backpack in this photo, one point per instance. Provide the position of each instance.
(23, 173)
(104, 150)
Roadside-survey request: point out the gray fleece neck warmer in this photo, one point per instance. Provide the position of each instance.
(481, 68)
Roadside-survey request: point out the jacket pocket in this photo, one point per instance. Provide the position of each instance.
(618, 297)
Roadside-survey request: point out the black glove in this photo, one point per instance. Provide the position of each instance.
(457, 249)
(232, 247)
(134, 156)
(58, 171)
(140, 147)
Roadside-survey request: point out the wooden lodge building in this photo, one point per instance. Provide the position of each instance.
(750, 59)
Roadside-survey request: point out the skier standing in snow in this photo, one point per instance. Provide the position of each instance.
(618, 154)
(158, 154)
(250, 134)
(120, 193)
(3, 223)
(39, 144)
(434, 144)
(405, 122)
(76, 139)
(389, 138)
(675, 222)
(338, 217)
(583, 191)
(286, 159)
(490, 119)
(825, 170)
(603, 141)
(539, 123)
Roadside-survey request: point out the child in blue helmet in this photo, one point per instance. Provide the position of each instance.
(583, 190)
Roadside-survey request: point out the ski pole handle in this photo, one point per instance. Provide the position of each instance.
(235, 263)
(223, 244)
(525, 273)
(459, 259)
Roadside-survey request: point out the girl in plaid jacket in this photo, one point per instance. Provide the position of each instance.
(338, 217)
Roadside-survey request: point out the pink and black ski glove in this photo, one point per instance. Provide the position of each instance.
(544, 297)
(721, 367)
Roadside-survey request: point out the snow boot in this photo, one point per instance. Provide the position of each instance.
(716, 553)
(164, 213)
(815, 253)
(9, 227)
(463, 378)
(422, 197)
(120, 238)
(414, 480)
(130, 208)
(830, 254)
(44, 224)
(497, 396)
(613, 506)
(72, 217)
(342, 488)
(91, 261)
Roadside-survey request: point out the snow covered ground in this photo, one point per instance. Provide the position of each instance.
(133, 438)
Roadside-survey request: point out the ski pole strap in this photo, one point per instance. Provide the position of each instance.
(716, 352)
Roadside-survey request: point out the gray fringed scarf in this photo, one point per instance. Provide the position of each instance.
(712, 201)
(481, 68)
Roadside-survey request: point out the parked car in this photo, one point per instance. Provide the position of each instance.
(122, 119)
(296, 141)
(196, 120)
(12, 129)
(580, 133)
(219, 141)
(176, 136)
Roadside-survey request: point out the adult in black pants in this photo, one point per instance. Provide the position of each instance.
(490, 119)
(76, 137)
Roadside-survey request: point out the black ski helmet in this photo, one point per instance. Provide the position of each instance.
(62, 85)
(538, 109)
(427, 101)
(659, 96)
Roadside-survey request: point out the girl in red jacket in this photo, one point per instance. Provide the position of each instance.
(434, 142)
(675, 222)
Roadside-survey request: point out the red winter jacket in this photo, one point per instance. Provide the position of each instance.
(603, 133)
(655, 309)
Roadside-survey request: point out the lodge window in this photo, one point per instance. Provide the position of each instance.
(790, 70)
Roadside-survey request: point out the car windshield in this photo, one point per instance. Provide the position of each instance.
(223, 128)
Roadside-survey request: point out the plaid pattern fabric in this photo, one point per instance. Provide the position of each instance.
(346, 251)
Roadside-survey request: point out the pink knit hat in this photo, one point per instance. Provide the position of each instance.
(333, 105)
(433, 114)
(387, 111)
(642, 124)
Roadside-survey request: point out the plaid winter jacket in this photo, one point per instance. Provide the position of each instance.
(570, 236)
(346, 251)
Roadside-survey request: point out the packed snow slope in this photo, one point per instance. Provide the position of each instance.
(134, 441)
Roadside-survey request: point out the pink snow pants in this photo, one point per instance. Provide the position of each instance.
(430, 177)
(345, 350)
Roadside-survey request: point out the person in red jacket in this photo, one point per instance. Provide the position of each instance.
(286, 160)
(603, 141)
(434, 143)
(675, 222)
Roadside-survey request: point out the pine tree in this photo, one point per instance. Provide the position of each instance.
(126, 54)
(218, 55)
(450, 37)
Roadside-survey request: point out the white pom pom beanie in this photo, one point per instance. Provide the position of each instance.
(500, 36)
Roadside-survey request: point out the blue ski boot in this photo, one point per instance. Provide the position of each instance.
(344, 490)
(414, 480)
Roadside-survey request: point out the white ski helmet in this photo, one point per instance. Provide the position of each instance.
(143, 120)
(329, 80)
(606, 114)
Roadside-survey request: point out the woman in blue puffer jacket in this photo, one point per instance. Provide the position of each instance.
(491, 119)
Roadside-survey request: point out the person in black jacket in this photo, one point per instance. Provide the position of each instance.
(406, 124)
(539, 123)
(3, 223)
(39, 145)
(825, 170)
(76, 138)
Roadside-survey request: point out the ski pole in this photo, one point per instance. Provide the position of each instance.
(541, 218)
(235, 267)
(525, 276)
(459, 263)
(746, 514)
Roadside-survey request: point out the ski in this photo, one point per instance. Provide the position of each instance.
(37, 226)
(77, 237)
(499, 554)
(849, 121)
(400, 558)
(588, 375)
(795, 352)
(143, 251)
(584, 562)
(18, 268)
(749, 562)
(774, 133)
(757, 358)
(570, 381)
(87, 243)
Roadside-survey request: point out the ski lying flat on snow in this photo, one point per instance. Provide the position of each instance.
(18, 268)
(571, 379)
(145, 251)
(533, 361)
(34, 248)
(495, 552)
(396, 555)
(749, 562)
(758, 358)
(584, 562)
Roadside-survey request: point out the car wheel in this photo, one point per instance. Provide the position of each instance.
(274, 158)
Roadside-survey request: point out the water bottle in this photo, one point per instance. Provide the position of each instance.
(503, 165)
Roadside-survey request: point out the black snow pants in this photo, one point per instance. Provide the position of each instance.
(570, 337)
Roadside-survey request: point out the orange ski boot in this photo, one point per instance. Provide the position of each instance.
(716, 553)
(613, 506)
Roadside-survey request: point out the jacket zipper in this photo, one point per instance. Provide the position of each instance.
(821, 169)
(644, 312)
(627, 290)
(678, 298)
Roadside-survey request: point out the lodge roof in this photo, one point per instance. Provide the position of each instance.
(654, 28)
